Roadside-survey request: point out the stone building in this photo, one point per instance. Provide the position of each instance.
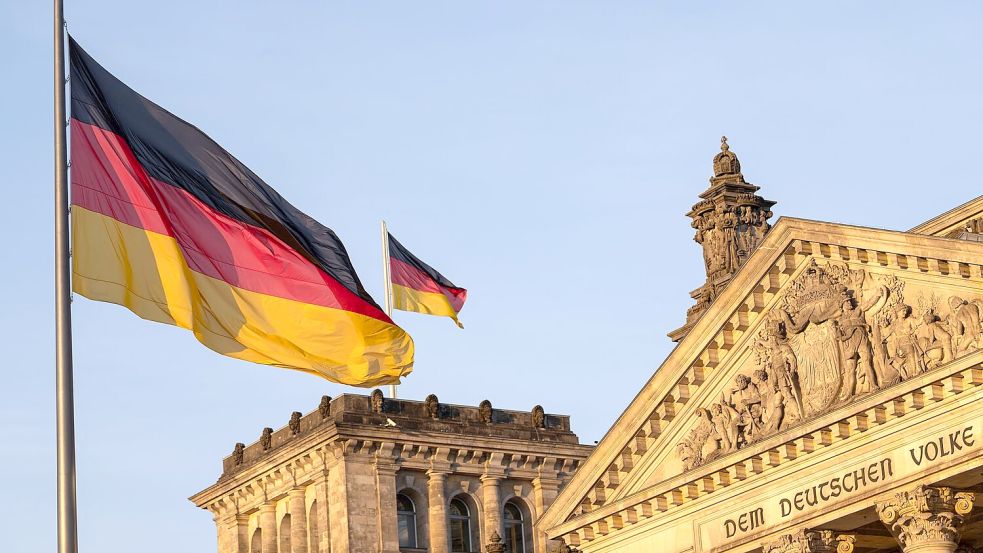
(371, 474)
(825, 395)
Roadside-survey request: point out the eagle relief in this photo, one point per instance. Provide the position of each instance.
(838, 334)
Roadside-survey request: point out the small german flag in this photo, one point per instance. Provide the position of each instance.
(419, 287)
(172, 226)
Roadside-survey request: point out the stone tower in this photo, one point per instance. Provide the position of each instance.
(730, 221)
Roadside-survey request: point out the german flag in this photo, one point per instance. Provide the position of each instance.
(419, 287)
(170, 225)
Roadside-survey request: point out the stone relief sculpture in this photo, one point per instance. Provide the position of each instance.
(266, 438)
(837, 334)
(377, 401)
(294, 423)
(538, 417)
(432, 405)
(238, 453)
(324, 408)
(730, 220)
(485, 411)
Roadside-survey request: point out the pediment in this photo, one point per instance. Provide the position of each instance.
(821, 317)
(952, 223)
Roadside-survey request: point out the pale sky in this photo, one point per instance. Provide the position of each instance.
(540, 154)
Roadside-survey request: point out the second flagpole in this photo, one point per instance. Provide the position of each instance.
(387, 277)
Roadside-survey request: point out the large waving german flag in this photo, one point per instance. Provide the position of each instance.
(419, 287)
(170, 225)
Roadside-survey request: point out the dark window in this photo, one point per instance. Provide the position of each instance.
(406, 521)
(515, 531)
(460, 526)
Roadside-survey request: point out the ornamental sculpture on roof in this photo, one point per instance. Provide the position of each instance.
(838, 334)
(730, 222)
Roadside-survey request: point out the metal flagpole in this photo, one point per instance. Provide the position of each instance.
(64, 401)
(387, 276)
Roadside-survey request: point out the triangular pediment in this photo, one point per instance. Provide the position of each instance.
(822, 316)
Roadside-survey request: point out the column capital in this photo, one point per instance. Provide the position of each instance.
(299, 491)
(438, 474)
(926, 517)
(492, 478)
(268, 507)
(811, 541)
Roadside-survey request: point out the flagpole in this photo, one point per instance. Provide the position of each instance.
(64, 401)
(387, 276)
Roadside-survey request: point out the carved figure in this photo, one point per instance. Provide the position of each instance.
(701, 442)
(432, 405)
(377, 400)
(902, 342)
(238, 453)
(324, 408)
(294, 423)
(266, 438)
(856, 355)
(538, 417)
(933, 341)
(781, 365)
(964, 324)
(726, 425)
(485, 411)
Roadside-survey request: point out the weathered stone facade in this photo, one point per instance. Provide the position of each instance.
(370, 474)
(826, 397)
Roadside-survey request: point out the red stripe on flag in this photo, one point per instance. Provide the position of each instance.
(107, 179)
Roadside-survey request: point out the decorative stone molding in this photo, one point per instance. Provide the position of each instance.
(927, 517)
(495, 544)
(811, 541)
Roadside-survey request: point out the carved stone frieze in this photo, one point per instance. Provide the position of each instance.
(811, 541)
(837, 334)
(926, 516)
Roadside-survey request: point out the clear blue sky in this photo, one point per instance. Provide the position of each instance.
(541, 154)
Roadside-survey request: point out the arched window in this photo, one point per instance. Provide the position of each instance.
(406, 521)
(518, 535)
(314, 542)
(285, 534)
(460, 526)
(257, 544)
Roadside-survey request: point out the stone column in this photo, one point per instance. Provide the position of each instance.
(267, 522)
(926, 519)
(439, 540)
(811, 541)
(544, 492)
(321, 542)
(298, 520)
(492, 505)
(386, 486)
(242, 534)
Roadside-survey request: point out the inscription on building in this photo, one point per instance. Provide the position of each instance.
(837, 484)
